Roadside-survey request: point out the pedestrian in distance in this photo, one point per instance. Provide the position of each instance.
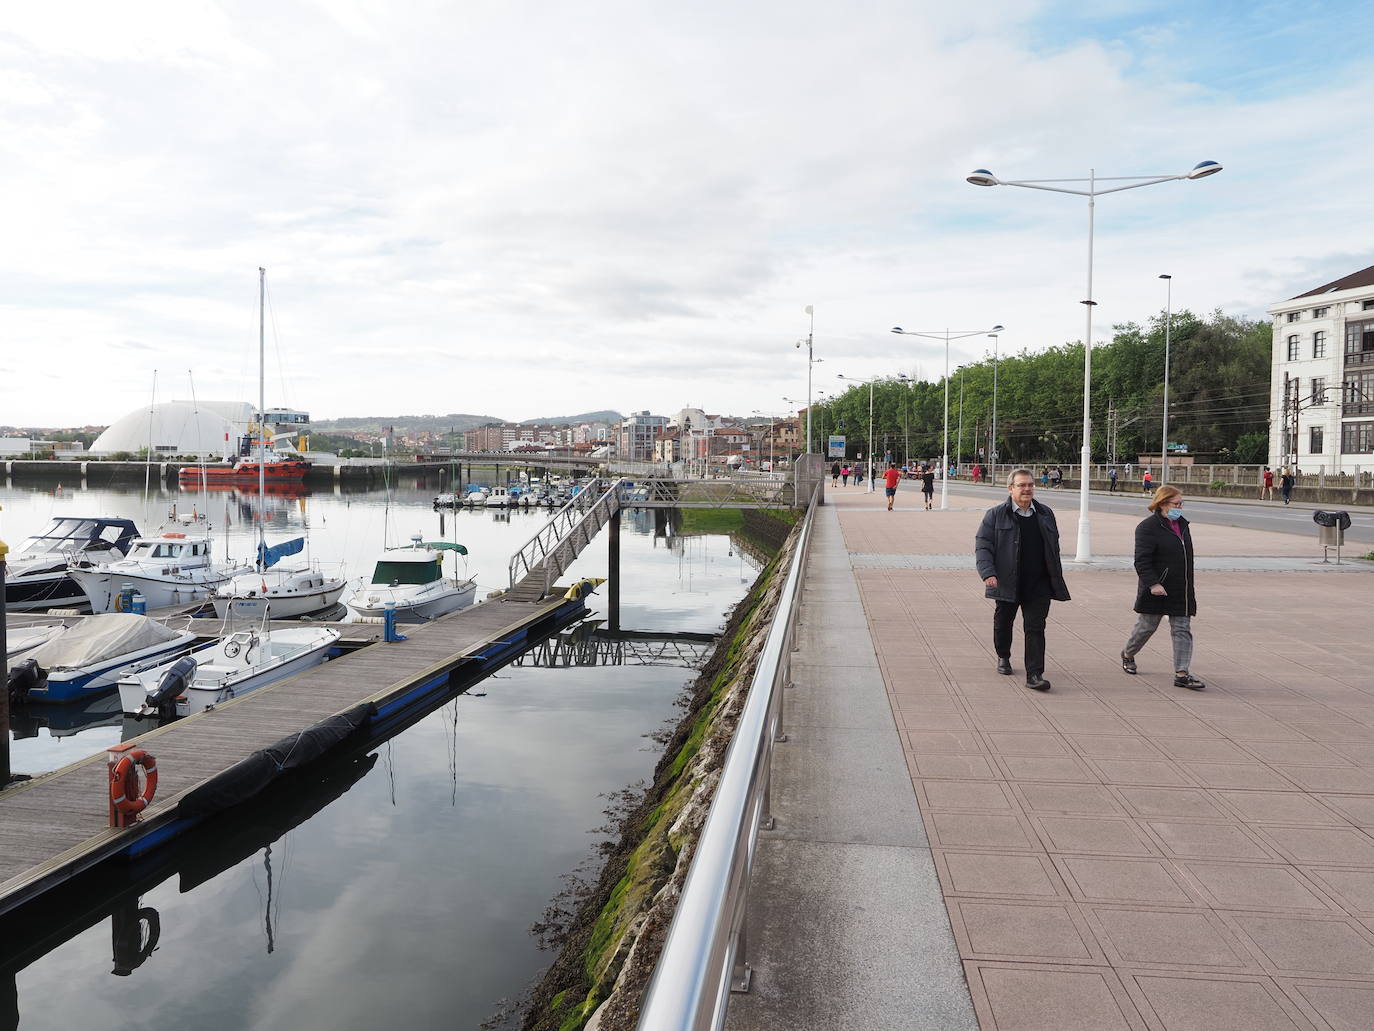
(890, 480)
(844, 475)
(1286, 484)
(1044, 477)
(1267, 484)
(1017, 553)
(1111, 480)
(835, 474)
(928, 485)
(1056, 477)
(1147, 482)
(872, 475)
(1164, 584)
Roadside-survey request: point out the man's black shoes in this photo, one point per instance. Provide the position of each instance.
(1190, 682)
(1128, 662)
(1004, 667)
(1036, 682)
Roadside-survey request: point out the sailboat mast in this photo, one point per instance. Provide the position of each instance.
(262, 411)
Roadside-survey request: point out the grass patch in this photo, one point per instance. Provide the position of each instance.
(696, 521)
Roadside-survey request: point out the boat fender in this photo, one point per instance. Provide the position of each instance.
(24, 677)
(178, 536)
(124, 793)
(175, 680)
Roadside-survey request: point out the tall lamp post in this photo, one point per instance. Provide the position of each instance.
(870, 381)
(992, 449)
(1168, 325)
(982, 177)
(946, 335)
(810, 361)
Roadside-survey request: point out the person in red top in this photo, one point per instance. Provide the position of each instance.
(890, 479)
(1267, 487)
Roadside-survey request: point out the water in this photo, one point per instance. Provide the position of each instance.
(407, 900)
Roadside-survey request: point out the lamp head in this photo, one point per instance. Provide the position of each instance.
(896, 329)
(981, 177)
(1203, 169)
(1166, 276)
(996, 329)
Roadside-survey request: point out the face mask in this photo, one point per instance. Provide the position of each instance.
(1173, 513)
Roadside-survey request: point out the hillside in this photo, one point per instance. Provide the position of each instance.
(454, 421)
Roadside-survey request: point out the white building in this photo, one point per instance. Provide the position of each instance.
(1321, 396)
(212, 429)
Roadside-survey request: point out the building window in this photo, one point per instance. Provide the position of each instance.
(1319, 390)
(1368, 306)
(1320, 313)
(1315, 438)
(1293, 348)
(1359, 338)
(1293, 316)
(1357, 438)
(1319, 344)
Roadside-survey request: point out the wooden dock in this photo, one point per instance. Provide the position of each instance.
(55, 826)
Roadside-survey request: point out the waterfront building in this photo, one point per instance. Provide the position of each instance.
(1321, 396)
(207, 429)
(637, 434)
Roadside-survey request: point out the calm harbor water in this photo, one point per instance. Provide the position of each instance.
(408, 899)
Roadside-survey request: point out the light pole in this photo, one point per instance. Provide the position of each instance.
(982, 177)
(946, 335)
(810, 361)
(992, 456)
(772, 458)
(870, 381)
(1168, 325)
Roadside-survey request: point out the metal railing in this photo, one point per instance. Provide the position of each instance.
(704, 956)
(750, 491)
(563, 537)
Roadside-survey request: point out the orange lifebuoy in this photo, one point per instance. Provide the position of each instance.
(124, 793)
(177, 535)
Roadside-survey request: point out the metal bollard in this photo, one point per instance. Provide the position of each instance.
(389, 633)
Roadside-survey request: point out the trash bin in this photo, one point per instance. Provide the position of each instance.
(1331, 527)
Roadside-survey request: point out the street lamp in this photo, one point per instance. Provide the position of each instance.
(870, 381)
(810, 361)
(992, 455)
(772, 458)
(1168, 325)
(982, 177)
(946, 335)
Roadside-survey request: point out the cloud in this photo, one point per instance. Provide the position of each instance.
(536, 207)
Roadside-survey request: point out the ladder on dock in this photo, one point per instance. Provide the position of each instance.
(542, 559)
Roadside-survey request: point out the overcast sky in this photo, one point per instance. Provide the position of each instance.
(525, 209)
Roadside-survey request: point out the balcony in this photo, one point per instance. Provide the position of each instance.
(1353, 358)
(1352, 409)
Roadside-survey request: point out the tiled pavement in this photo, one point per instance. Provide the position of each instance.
(1118, 853)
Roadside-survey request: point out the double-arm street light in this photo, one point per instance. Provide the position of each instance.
(946, 335)
(870, 381)
(982, 177)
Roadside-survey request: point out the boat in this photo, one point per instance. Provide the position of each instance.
(276, 469)
(289, 592)
(232, 666)
(411, 580)
(499, 497)
(172, 567)
(20, 640)
(36, 575)
(86, 659)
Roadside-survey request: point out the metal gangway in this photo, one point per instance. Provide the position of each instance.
(541, 560)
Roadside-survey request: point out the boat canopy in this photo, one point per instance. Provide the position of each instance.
(444, 546)
(268, 557)
(101, 636)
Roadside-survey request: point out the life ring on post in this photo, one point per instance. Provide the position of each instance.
(124, 793)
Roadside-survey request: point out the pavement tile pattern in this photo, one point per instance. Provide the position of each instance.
(1117, 852)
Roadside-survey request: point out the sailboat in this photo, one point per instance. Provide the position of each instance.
(287, 591)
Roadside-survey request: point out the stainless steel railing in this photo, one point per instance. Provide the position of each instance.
(704, 956)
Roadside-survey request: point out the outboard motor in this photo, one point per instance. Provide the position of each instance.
(162, 698)
(24, 677)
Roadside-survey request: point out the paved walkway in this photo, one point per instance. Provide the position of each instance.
(1116, 853)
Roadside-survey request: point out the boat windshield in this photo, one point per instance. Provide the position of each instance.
(65, 534)
(396, 573)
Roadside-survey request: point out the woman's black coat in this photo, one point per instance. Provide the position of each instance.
(1161, 558)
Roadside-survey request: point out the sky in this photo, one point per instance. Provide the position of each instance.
(525, 209)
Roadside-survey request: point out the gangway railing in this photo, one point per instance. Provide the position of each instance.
(554, 547)
(740, 491)
(705, 955)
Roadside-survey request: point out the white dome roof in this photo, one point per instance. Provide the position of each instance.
(179, 428)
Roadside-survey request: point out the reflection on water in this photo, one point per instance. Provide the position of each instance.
(398, 895)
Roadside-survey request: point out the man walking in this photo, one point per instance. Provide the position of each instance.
(1017, 553)
(890, 480)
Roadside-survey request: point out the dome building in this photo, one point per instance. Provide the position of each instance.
(209, 429)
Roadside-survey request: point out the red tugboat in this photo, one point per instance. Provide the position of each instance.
(274, 469)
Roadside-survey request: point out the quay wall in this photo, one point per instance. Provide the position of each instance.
(616, 927)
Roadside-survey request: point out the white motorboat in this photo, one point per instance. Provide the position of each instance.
(36, 575)
(86, 659)
(499, 497)
(21, 640)
(230, 667)
(412, 579)
(170, 568)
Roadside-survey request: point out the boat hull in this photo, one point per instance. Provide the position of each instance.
(43, 591)
(69, 686)
(102, 589)
(244, 474)
(370, 602)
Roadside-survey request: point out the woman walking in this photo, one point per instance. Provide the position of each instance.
(1164, 568)
(1286, 482)
(834, 474)
(844, 474)
(928, 485)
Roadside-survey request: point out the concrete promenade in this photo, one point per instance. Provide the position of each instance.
(953, 850)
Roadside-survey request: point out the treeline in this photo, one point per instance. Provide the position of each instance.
(1218, 399)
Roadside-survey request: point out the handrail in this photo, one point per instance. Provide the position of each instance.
(703, 956)
(521, 564)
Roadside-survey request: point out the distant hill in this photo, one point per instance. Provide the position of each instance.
(374, 424)
(564, 420)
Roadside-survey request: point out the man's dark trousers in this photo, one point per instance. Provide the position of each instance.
(1034, 612)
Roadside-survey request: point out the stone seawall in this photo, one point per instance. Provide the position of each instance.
(608, 955)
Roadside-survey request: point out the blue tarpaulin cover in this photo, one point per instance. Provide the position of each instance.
(269, 557)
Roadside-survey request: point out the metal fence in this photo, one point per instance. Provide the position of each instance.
(704, 956)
